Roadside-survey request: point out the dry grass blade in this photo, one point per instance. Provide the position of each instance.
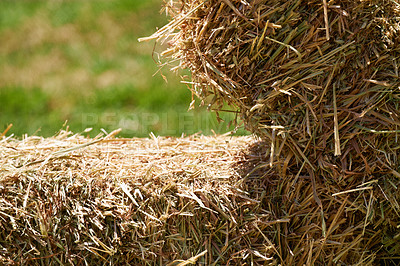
(5, 131)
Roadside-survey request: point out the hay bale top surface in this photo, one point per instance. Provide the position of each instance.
(159, 160)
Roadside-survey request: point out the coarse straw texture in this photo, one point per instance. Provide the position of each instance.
(106, 201)
(319, 79)
(70, 200)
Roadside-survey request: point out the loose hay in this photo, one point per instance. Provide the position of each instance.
(318, 79)
(180, 201)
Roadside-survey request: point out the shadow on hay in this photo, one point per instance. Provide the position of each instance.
(302, 219)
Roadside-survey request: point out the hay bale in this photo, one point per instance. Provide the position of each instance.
(319, 82)
(68, 200)
(165, 201)
(318, 79)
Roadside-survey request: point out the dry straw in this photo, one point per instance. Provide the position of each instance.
(69, 200)
(106, 201)
(319, 81)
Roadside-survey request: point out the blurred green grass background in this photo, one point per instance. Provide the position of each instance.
(80, 62)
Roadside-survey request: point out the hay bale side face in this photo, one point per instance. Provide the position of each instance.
(331, 103)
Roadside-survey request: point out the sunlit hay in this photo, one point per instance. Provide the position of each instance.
(327, 97)
(78, 201)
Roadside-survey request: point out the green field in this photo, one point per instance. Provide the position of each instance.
(78, 64)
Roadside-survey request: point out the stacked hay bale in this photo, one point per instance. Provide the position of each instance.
(318, 79)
